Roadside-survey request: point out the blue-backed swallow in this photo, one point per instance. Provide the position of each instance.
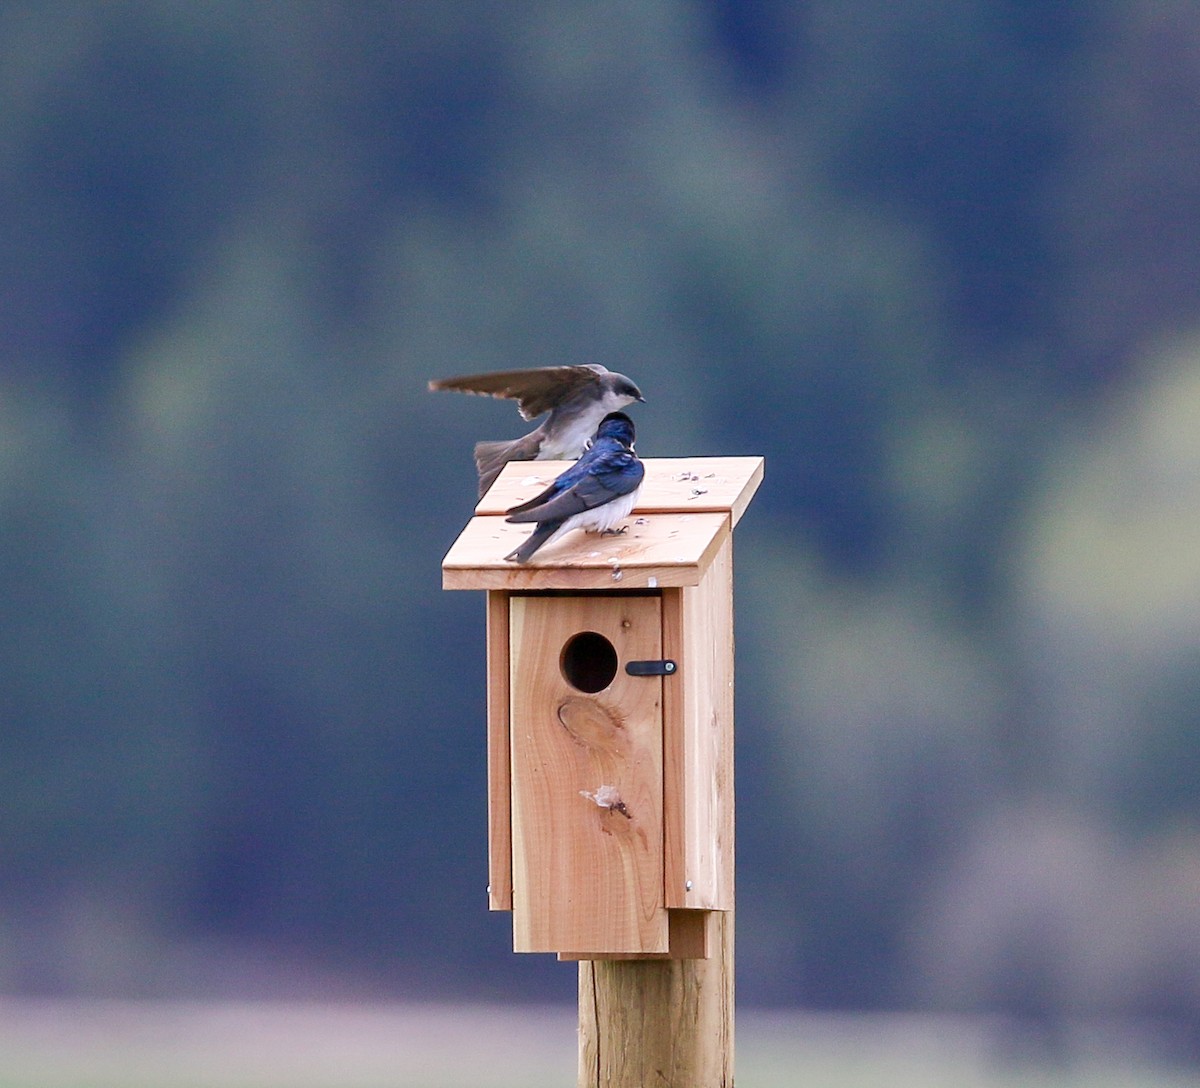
(594, 493)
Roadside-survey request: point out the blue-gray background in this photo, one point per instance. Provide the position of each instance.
(936, 261)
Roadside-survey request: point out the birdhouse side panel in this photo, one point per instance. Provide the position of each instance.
(586, 775)
(699, 786)
(499, 759)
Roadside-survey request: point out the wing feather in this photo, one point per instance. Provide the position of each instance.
(536, 389)
(594, 489)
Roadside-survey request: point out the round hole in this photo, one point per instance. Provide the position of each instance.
(589, 662)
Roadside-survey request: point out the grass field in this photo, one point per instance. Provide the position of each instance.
(66, 1044)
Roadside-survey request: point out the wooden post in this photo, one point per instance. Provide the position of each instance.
(658, 1022)
(611, 816)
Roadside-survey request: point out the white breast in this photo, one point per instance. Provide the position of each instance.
(605, 517)
(569, 443)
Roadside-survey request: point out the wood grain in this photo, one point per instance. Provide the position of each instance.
(698, 740)
(692, 936)
(586, 874)
(692, 485)
(499, 759)
(659, 1022)
(654, 550)
(669, 540)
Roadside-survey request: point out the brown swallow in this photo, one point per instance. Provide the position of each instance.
(577, 398)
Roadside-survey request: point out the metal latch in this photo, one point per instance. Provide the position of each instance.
(650, 668)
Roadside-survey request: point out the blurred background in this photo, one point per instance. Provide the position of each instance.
(937, 261)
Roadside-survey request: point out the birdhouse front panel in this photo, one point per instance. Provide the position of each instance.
(587, 774)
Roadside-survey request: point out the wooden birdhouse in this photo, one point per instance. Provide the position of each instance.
(610, 713)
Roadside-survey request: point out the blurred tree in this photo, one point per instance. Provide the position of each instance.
(904, 252)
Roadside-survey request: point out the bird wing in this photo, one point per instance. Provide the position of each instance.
(536, 390)
(610, 477)
(537, 500)
(564, 481)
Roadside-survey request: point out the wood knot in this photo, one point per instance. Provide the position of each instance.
(590, 723)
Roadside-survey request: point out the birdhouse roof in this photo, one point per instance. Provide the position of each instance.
(687, 506)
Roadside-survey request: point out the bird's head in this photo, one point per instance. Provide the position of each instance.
(620, 390)
(617, 426)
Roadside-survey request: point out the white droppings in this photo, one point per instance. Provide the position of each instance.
(606, 797)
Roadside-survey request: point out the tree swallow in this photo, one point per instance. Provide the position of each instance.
(594, 493)
(577, 398)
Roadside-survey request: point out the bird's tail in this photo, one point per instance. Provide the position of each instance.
(535, 540)
(491, 457)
